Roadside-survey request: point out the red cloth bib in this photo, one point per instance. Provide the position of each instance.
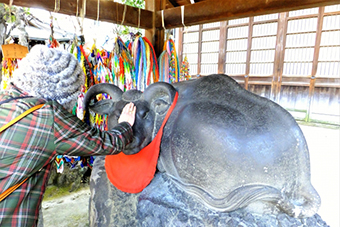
(132, 173)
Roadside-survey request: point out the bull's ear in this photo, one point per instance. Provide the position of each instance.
(103, 107)
(160, 96)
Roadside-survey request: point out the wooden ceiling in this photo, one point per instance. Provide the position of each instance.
(199, 12)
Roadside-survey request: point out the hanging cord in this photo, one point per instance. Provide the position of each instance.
(138, 18)
(98, 5)
(163, 20)
(82, 15)
(123, 15)
(51, 25)
(56, 6)
(185, 28)
(182, 14)
(84, 9)
(77, 8)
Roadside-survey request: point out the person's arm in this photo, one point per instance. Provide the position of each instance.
(74, 137)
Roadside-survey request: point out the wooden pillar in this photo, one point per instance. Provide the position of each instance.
(199, 60)
(180, 46)
(222, 47)
(156, 36)
(315, 61)
(279, 57)
(250, 40)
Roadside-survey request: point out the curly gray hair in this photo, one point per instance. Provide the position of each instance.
(51, 74)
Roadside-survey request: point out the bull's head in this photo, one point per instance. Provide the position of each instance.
(151, 108)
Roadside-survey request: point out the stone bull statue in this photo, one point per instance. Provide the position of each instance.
(223, 147)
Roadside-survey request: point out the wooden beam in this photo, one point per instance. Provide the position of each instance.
(199, 13)
(220, 10)
(107, 11)
(315, 62)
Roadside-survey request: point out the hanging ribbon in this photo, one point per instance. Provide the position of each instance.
(8, 67)
(122, 66)
(169, 72)
(145, 61)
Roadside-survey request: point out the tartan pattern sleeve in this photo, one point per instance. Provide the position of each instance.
(25, 148)
(76, 138)
(33, 142)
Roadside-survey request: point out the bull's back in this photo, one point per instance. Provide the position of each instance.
(221, 134)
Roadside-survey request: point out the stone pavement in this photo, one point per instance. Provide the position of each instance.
(324, 150)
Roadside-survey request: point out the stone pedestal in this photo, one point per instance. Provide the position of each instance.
(163, 203)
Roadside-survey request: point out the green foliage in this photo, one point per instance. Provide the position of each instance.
(135, 3)
(8, 13)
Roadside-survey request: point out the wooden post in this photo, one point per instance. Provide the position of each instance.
(315, 62)
(250, 38)
(222, 47)
(180, 46)
(279, 57)
(199, 56)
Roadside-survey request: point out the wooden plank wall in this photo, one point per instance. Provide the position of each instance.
(306, 89)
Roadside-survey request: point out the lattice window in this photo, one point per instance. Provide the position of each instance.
(210, 48)
(263, 46)
(236, 47)
(300, 42)
(329, 55)
(190, 47)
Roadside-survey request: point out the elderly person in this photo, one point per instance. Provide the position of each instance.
(54, 78)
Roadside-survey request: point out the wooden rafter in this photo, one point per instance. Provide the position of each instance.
(109, 11)
(199, 13)
(220, 10)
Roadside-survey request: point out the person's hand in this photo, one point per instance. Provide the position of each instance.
(128, 114)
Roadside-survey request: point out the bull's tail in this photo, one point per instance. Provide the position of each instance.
(305, 204)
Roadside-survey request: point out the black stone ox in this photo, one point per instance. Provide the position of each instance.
(227, 146)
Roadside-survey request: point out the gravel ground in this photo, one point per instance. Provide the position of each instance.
(68, 211)
(324, 148)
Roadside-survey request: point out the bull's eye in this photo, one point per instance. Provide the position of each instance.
(145, 114)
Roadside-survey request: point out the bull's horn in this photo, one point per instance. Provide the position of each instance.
(110, 89)
(159, 89)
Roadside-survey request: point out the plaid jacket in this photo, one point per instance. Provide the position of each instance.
(34, 141)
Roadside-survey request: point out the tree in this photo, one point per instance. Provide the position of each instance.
(10, 18)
